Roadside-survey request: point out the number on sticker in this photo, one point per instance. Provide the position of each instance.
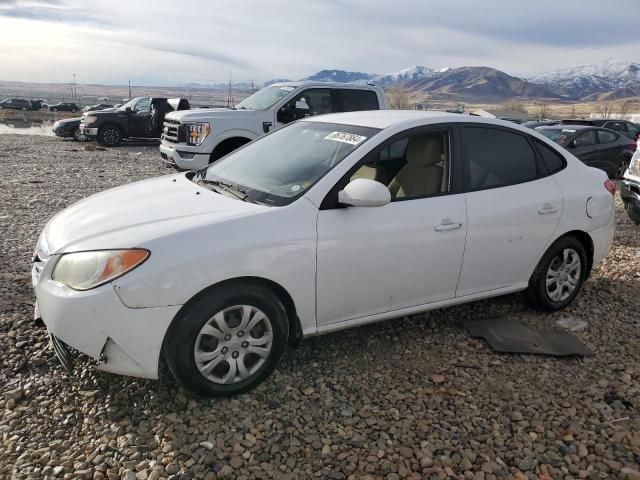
(345, 137)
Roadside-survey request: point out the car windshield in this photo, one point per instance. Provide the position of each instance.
(558, 135)
(265, 98)
(281, 166)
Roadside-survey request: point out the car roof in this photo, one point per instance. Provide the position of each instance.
(569, 126)
(312, 83)
(387, 118)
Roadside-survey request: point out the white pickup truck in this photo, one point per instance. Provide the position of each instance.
(193, 139)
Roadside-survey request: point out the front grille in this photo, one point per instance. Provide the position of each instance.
(174, 132)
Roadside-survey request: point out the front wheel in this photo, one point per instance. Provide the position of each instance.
(110, 136)
(227, 341)
(52, 109)
(557, 279)
(77, 135)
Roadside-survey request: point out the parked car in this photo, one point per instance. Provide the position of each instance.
(625, 127)
(99, 106)
(68, 128)
(141, 117)
(540, 123)
(597, 147)
(64, 107)
(190, 141)
(328, 223)
(630, 189)
(15, 104)
(37, 104)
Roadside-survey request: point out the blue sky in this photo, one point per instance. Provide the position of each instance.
(168, 42)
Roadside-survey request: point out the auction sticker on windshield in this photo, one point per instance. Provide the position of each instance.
(345, 137)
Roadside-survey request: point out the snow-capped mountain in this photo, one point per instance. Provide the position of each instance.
(580, 81)
(401, 76)
(340, 76)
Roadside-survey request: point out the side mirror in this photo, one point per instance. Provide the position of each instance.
(363, 192)
(285, 115)
(128, 110)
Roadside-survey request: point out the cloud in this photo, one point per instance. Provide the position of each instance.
(49, 11)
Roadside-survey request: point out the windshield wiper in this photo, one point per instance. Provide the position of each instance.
(234, 190)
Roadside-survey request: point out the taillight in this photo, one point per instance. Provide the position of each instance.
(609, 185)
(632, 146)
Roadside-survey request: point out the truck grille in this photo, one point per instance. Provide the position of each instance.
(174, 132)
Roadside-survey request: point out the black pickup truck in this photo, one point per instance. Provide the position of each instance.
(141, 117)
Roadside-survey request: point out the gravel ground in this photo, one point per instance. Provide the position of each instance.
(409, 398)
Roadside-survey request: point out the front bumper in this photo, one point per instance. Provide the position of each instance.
(90, 133)
(630, 194)
(120, 339)
(178, 159)
(63, 132)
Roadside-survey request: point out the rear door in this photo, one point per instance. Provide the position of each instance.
(584, 146)
(609, 151)
(513, 208)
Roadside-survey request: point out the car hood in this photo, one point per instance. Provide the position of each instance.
(133, 214)
(68, 121)
(208, 113)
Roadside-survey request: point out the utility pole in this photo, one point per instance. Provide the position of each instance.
(74, 90)
(129, 89)
(230, 96)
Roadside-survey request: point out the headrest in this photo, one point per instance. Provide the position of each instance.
(425, 150)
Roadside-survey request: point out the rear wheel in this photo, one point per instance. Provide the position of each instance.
(227, 341)
(109, 136)
(52, 109)
(622, 167)
(559, 275)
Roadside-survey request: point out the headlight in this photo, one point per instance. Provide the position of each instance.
(87, 270)
(634, 166)
(197, 132)
(89, 119)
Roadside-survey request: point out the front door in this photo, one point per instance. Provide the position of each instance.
(140, 118)
(405, 254)
(513, 208)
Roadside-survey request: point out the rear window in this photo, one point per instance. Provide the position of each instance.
(346, 100)
(606, 137)
(552, 160)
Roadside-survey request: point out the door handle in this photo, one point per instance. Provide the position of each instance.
(547, 209)
(447, 224)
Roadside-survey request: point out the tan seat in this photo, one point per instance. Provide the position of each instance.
(421, 175)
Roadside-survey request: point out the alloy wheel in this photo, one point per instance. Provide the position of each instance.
(622, 167)
(233, 344)
(563, 275)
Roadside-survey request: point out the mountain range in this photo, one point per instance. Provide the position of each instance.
(607, 80)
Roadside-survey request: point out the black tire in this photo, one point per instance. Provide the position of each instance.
(110, 136)
(622, 167)
(52, 109)
(180, 340)
(76, 135)
(537, 293)
(226, 147)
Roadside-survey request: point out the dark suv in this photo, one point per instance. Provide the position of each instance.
(64, 107)
(625, 127)
(141, 117)
(15, 104)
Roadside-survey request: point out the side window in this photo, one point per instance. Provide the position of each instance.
(412, 167)
(348, 100)
(617, 126)
(143, 105)
(586, 139)
(552, 160)
(497, 158)
(313, 101)
(606, 137)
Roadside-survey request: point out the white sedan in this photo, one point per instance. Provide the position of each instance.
(329, 223)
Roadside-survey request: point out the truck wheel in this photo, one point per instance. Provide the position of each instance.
(77, 136)
(110, 136)
(228, 340)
